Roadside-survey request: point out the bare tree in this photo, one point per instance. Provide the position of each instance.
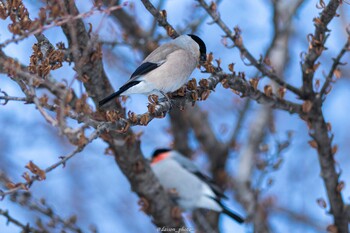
(261, 87)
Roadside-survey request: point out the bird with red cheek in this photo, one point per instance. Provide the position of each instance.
(193, 189)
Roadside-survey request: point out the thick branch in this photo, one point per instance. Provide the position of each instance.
(180, 119)
(125, 147)
(180, 128)
(319, 132)
(347, 209)
(217, 151)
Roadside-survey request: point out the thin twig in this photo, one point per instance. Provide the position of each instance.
(162, 21)
(10, 219)
(46, 116)
(60, 22)
(41, 206)
(63, 161)
(8, 98)
(336, 63)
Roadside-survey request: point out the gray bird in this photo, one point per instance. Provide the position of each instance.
(193, 189)
(166, 69)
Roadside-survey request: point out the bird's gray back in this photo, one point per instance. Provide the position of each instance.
(160, 53)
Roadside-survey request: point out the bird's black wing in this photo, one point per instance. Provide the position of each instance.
(216, 189)
(144, 68)
(192, 168)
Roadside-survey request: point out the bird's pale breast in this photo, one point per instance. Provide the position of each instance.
(174, 73)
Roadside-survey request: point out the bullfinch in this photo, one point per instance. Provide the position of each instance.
(166, 69)
(192, 188)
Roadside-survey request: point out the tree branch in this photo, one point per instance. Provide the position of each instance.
(300, 217)
(316, 47)
(249, 196)
(125, 147)
(8, 98)
(30, 180)
(41, 206)
(180, 129)
(319, 133)
(336, 63)
(136, 35)
(237, 40)
(235, 82)
(25, 227)
(161, 18)
(322, 141)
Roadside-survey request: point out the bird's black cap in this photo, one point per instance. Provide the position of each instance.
(202, 47)
(160, 151)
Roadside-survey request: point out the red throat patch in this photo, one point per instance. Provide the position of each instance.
(160, 157)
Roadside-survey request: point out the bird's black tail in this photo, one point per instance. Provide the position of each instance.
(109, 98)
(232, 214)
(116, 94)
(228, 212)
